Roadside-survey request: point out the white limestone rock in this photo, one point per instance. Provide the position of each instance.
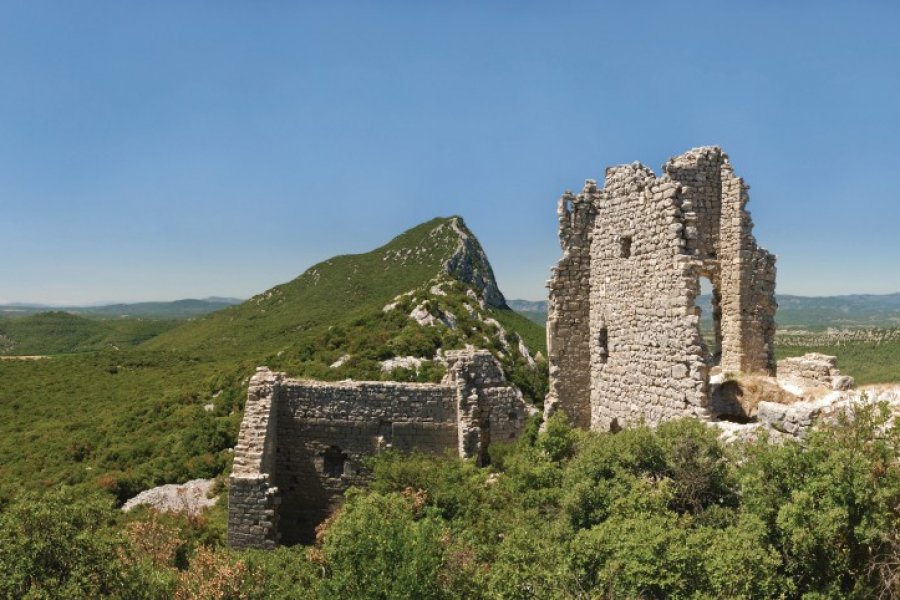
(421, 316)
(405, 362)
(340, 362)
(189, 498)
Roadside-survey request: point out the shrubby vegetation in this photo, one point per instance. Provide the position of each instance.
(665, 513)
(375, 335)
(58, 332)
(131, 419)
(118, 421)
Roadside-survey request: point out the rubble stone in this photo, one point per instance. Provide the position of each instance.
(814, 369)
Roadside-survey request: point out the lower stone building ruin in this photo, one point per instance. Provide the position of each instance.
(302, 443)
(623, 328)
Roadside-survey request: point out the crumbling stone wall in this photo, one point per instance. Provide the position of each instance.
(252, 498)
(570, 285)
(651, 240)
(321, 432)
(812, 370)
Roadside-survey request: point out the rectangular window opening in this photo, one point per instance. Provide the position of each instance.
(333, 463)
(625, 246)
(603, 345)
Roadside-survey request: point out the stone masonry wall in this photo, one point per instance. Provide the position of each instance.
(252, 497)
(569, 308)
(651, 241)
(320, 433)
(487, 408)
(343, 423)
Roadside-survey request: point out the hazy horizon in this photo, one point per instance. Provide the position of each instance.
(99, 303)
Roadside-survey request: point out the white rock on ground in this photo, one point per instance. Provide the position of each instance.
(187, 498)
(421, 316)
(501, 332)
(339, 362)
(448, 319)
(406, 362)
(523, 350)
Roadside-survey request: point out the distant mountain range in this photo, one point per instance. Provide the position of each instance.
(177, 309)
(814, 312)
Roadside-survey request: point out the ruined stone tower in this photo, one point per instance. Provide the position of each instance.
(623, 328)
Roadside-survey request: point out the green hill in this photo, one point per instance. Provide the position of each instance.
(339, 289)
(335, 313)
(130, 416)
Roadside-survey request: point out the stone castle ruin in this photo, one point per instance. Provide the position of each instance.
(623, 328)
(302, 443)
(624, 342)
(624, 345)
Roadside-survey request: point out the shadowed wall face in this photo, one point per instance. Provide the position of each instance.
(651, 239)
(326, 430)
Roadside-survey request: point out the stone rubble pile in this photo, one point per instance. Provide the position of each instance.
(795, 421)
(813, 370)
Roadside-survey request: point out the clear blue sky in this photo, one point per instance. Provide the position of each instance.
(159, 150)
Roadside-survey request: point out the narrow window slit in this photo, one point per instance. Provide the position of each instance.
(603, 345)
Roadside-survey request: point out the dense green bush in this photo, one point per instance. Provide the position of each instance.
(58, 547)
(664, 513)
(384, 547)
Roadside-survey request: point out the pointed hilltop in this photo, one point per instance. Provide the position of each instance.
(385, 314)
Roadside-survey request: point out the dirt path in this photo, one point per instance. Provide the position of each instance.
(23, 357)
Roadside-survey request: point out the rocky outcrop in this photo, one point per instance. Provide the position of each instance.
(470, 264)
(189, 498)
